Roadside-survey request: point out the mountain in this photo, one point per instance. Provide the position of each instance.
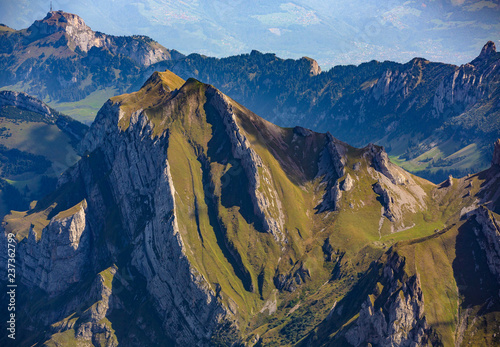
(434, 119)
(344, 32)
(37, 144)
(189, 220)
(60, 59)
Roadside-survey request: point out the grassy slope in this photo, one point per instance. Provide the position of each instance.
(41, 139)
(86, 109)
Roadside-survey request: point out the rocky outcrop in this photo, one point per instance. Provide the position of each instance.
(394, 316)
(391, 211)
(332, 167)
(296, 277)
(488, 236)
(60, 258)
(314, 67)
(380, 161)
(92, 327)
(266, 203)
(348, 183)
(488, 50)
(24, 101)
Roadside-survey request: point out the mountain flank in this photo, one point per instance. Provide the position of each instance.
(190, 220)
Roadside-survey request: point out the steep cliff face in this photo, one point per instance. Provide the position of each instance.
(393, 315)
(469, 83)
(59, 258)
(488, 236)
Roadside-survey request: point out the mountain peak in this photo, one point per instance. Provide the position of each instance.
(56, 21)
(166, 78)
(315, 69)
(488, 49)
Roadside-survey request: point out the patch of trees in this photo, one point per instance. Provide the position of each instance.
(14, 162)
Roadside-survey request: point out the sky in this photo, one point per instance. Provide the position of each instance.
(332, 32)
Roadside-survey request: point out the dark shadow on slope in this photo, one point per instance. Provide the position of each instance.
(234, 183)
(136, 321)
(476, 284)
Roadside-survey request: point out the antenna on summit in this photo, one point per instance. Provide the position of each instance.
(51, 6)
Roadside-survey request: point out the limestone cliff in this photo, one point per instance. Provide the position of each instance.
(84, 38)
(393, 316)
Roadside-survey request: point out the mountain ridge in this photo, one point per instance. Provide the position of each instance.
(155, 210)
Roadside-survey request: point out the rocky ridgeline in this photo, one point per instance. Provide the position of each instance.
(393, 316)
(24, 101)
(82, 36)
(469, 83)
(267, 205)
(118, 212)
(333, 158)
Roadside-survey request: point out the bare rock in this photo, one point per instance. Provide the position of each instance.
(399, 319)
(348, 183)
(489, 238)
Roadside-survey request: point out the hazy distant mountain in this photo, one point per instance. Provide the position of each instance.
(59, 58)
(191, 221)
(333, 32)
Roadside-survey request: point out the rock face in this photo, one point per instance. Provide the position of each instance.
(143, 185)
(59, 258)
(80, 35)
(24, 101)
(332, 168)
(266, 203)
(489, 238)
(396, 321)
